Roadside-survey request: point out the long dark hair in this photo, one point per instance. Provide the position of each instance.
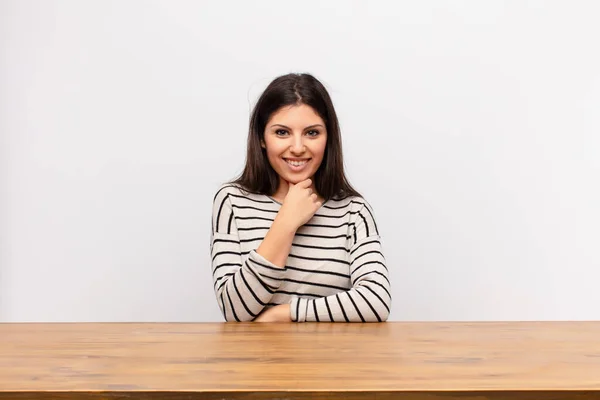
(294, 89)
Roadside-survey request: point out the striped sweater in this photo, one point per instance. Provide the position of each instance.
(335, 272)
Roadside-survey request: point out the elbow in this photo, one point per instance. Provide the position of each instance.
(231, 314)
(383, 313)
(230, 319)
(246, 318)
(384, 316)
(386, 312)
(373, 315)
(237, 318)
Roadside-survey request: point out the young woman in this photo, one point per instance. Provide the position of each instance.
(291, 240)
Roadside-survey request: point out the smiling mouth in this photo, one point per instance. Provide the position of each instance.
(297, 163)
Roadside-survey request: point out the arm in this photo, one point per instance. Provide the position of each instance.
(369, 299)
(277, 243)
(244, 287)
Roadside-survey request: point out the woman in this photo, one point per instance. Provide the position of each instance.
(291, 240)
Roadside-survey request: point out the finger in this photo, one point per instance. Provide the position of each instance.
(305, 183)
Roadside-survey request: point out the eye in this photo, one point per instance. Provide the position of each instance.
(312, 132)
(280, 132)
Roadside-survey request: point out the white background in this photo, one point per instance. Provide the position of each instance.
(472, 127)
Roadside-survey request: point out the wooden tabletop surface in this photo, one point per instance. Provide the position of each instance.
(307, 359)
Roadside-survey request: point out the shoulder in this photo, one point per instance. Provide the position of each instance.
(351, 210)
(237, 196)
(226, 190)
(353, 204)
(360, 210)
(365, 224)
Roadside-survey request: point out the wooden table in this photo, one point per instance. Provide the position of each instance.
(419, 361)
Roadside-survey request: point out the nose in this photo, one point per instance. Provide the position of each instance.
(297, 146)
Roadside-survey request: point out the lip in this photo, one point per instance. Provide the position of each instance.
(297, 168)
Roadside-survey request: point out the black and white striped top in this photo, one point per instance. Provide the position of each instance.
(335, 271)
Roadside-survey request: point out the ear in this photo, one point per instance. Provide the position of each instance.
(262, 144)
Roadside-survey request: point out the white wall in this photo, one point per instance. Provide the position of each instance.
(473, 128)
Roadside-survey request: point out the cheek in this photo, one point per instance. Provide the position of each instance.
(274, 156)
(320, 150)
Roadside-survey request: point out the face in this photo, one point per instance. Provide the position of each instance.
(295, 139)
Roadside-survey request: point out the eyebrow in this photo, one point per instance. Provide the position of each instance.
(308, 127)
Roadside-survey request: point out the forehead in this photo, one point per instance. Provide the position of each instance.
(296, 116)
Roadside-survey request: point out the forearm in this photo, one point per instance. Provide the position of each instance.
(366, 303)
(243, 285)
(369, 298)
(244, 294)
(277, 243)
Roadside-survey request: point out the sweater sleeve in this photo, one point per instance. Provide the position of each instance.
(369, 299)
(243, 285)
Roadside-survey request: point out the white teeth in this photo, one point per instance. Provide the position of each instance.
(296, 163)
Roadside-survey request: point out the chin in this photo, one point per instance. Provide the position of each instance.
(292, 179)
(295, 179)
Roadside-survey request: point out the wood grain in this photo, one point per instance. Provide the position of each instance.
(418, 361)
